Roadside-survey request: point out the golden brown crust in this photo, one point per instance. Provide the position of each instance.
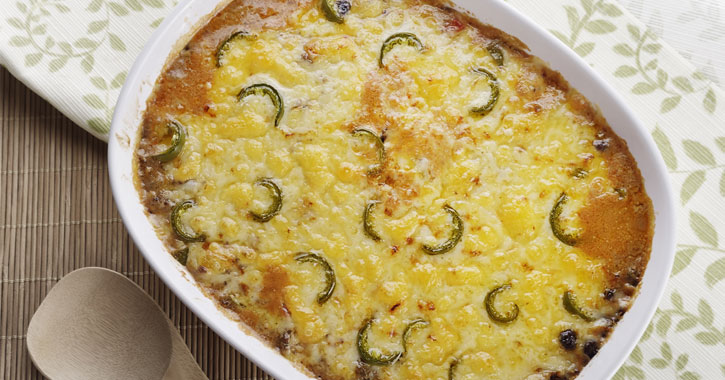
(184, 83)
(617, 228)
(274, 281)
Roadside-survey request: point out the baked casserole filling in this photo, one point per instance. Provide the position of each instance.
(388, 189)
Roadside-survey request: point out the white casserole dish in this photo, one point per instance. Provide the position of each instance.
(183, 22)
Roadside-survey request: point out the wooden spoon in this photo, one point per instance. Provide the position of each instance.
(97, 324)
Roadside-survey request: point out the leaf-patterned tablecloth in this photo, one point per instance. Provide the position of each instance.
(695, 28)
(76, 54)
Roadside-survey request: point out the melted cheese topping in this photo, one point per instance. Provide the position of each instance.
(502, 173)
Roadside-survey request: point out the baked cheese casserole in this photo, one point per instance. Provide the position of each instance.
(388, 189)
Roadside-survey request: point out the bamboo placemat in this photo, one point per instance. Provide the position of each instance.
(56, 215)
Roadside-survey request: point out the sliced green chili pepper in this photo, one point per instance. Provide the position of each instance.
(265, 89)
(276, 205)
(579, 173)
(452, 368)
(491, 308)
(335, 10)
(368, 221)
(413, 325)
(177, 142)
(373, 356)
(326, 293)
(182, 255)
(456, 234)
(224, 46)
(407, 39)
(570, 304)
(554, 220)
(495, 92)
(495, 51)
(179, 229)
(360, 132)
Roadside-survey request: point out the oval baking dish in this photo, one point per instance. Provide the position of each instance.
(181, 25)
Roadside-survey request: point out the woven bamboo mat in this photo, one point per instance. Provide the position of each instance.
(56, 215)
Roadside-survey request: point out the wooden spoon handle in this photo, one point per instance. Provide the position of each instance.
(182, 365)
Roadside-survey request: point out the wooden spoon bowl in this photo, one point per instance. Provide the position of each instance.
(97, 324)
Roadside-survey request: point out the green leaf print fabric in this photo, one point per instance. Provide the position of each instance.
(76, 53)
